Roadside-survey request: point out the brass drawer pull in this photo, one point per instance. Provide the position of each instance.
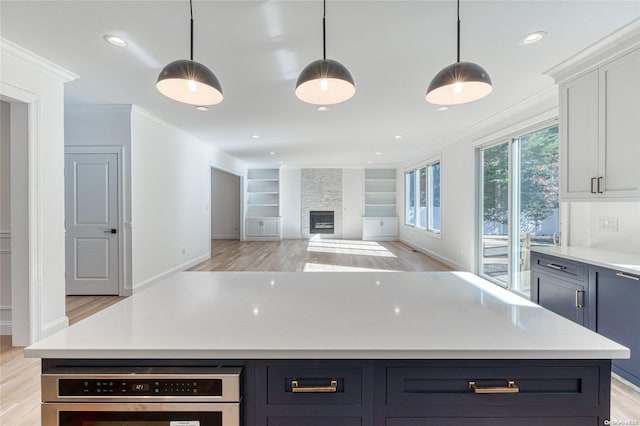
(295, 387)
(631, 277)
(510, 388)
(558, 267)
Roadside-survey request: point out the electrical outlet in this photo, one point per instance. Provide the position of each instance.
(184, 251)
(608, 223)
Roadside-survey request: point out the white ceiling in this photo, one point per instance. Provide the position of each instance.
(257, 49)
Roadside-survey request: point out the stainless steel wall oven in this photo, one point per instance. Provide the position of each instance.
(141, 396)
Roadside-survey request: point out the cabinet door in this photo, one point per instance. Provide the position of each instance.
(617, 316)
(371, 228)
(560, 296)
(579, 137)
(389, 227)
(620, 127)
(271, 227)
(254, 227)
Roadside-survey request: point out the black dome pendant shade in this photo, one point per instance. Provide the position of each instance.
(460, 82)
(325, 81)
(189, 81)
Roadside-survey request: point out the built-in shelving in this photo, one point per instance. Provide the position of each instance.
(380, 193)
(263, 193)
(263, 205)
(380, 221)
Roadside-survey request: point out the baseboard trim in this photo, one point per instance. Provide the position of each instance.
(54, 326)
(5, 328)
(225, 236)
(146, 283)
(436, 256)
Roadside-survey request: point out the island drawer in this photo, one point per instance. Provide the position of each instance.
(314, 385)
(479, 387)
(314, 421)
(493, 421)
(560, 267)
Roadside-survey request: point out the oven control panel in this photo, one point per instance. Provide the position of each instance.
(139, 387)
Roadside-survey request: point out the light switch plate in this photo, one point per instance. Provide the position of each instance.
(608, 223)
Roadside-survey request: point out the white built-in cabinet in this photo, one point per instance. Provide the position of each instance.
(600, 132)
(380, 220)
(262, 206)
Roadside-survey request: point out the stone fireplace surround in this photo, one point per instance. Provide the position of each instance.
(321, 190)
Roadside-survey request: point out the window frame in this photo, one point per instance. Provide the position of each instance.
(511, 139)
(428, 199)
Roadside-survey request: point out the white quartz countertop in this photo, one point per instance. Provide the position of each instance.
(620, 261)
(335, 315)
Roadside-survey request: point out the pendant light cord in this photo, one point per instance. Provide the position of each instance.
(458, 31)
(191, 11)
(324, 30)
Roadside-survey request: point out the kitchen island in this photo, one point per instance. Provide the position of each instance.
(396, 349)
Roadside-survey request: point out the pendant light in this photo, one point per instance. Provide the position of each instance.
(460, 82)
(325, 81)
(189, 81)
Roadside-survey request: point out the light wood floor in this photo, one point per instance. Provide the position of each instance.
(316, 255)
(20, 377)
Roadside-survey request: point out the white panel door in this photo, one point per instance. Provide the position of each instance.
(91, 216)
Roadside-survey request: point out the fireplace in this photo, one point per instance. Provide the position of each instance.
(321, 222)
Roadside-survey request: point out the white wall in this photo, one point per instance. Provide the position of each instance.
(5, 218)
(352, 203)
(38, 297)
(225, 205)
(584, 230)
(290, 203)
(170, 196)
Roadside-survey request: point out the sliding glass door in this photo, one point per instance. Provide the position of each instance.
(518, 205)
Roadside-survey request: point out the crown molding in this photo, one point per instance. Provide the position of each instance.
(618, 43)
(27, 57)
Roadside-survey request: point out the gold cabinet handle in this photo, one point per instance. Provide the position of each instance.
(295, 387)
(558, 267)
(510, 388)
(631, 277)
(599, 185)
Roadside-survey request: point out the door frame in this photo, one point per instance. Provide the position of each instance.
(26, 315)
(124, 231)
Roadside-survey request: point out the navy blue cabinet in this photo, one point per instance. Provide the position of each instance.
(615, 314)
(560, 286)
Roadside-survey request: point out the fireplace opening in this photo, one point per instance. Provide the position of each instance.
(321, 222)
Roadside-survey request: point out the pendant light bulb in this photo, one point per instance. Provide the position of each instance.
(325, 81)
(188, 81)
(459, 83)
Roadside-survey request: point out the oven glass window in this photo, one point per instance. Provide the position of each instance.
(114, 418)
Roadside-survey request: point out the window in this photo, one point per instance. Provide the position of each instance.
(422, 197)
(409, 198)
(518, 205)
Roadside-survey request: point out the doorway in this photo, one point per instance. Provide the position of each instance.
(225, 205)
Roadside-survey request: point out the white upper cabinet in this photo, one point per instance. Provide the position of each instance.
(600, 132)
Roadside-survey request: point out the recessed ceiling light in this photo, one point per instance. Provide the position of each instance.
(115, 40)
(378, 153)
(369, 162)
(202, 108)
(272, 153)
(398, 137)
(533, 37)
(255, 136)
(323, 108)
(443, 108)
